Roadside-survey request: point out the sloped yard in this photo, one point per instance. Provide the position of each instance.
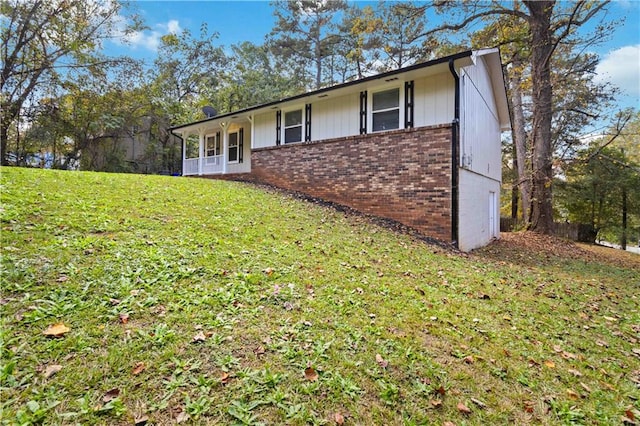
(131, 299)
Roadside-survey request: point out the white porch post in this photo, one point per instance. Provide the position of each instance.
(253, 126)
(200, 152)
(185, 136)
(225, 146)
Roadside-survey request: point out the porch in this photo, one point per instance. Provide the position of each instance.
(216, 148)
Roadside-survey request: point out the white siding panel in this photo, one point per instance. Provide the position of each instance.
(265, 130)
(434, 100)
(480, 128)
(333, 118)
(474, 203)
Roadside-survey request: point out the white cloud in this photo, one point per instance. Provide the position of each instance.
(150, 39)
(621, 67)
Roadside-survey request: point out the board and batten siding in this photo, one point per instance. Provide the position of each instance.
(434, 100)
(264, 130)
(335, 117)
(480, 172)
(339, 117)
(480, 126)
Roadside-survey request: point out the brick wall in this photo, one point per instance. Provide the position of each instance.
(404, 175)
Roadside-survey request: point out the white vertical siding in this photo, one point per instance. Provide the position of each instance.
(335, 117)
(473, 210)
(480, 148)
(265, 130)
(434, 100)
(245, 166)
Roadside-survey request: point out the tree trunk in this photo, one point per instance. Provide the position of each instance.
(541, 50)
(519, 135)
(623, 240)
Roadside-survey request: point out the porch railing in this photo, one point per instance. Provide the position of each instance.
(190, 166)
(210, 165)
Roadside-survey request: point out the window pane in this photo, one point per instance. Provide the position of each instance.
(386, 120)
(233, 153)
(210, 151)
(293, 118)
(386, 99)
(233, 139)
(293, 134)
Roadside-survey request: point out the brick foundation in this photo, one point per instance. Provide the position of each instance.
(404, 175)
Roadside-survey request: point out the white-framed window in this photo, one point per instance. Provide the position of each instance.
(233, 147)
(293, 126)
(212, 145)
(385, 109)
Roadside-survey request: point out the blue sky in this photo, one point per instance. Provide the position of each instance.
(238, 21)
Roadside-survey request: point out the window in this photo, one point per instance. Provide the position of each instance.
(233, 147)
(385, 111)
(293, 126)
(212, 145)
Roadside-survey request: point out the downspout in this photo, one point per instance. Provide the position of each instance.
(181, 151)
(455, 154)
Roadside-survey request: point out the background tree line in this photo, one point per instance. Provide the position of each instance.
(66, 105)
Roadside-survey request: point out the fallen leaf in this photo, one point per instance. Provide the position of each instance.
(51, 370)
(468, 359)
(224, 379)
(310, 374)
(636, 352)
(572, 394)
(630, 414)
(110, 395)
(528, 406)
(585, 387)
(506, 318)
(123, 318)
(63, 278)
(479, 403)
(268, 271)
(182, 417)
(419, 290)
(448, 423)
(575, 372)
(339, 418)
(567, 355)
(441, 390)
(138, 368)
(381, 361)
(199, 337)
(259, 350)
(436, 403)
(463, 408)
(550, 364)
(56, 330)
(140, 421)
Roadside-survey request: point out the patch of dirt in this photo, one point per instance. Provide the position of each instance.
(523, 246)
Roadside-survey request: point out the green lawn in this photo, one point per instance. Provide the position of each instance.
(209, 302)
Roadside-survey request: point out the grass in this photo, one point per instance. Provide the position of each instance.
(210, 302)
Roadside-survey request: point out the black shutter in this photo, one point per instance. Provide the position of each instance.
(307, 122)
(278, 126)
(408, 104)
(363, 112)
(240, 144)
(218, 146)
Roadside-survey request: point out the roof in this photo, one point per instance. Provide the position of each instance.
(461, 59)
